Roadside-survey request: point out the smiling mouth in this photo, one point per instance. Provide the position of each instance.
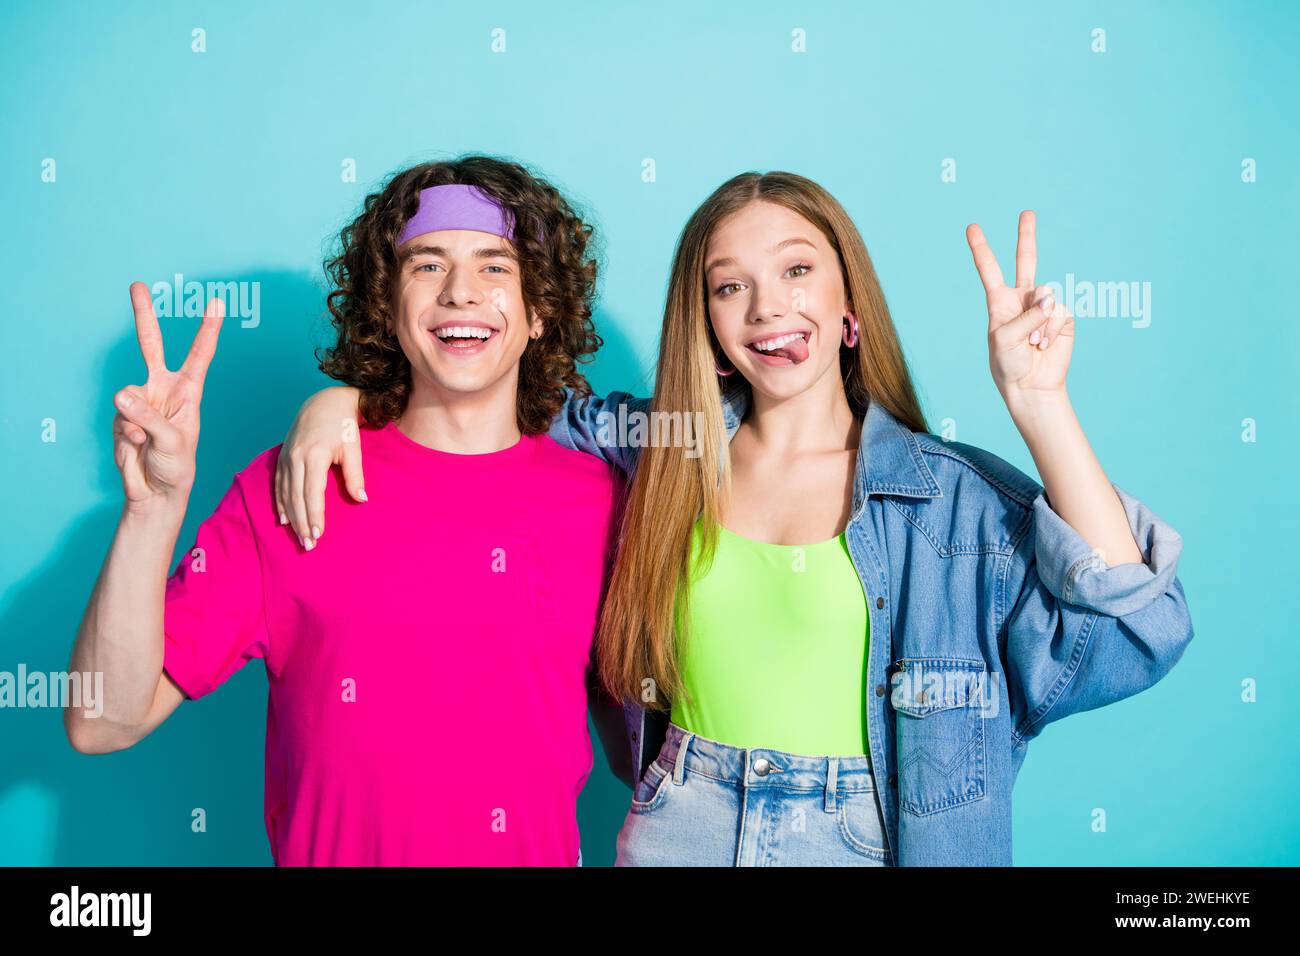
(467, 339)
(788, 348)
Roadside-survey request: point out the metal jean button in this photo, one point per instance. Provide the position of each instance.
(761, 766)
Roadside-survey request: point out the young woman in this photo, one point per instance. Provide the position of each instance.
(819, 547)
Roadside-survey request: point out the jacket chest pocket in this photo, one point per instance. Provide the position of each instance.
(940, 732)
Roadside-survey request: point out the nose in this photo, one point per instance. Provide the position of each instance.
(767, 303)
(460, 289)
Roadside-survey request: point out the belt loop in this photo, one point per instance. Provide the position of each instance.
(679, 763)
(832, 774)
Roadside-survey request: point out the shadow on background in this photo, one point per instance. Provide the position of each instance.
(135, 807)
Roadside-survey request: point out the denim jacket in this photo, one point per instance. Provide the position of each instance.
(990, 617)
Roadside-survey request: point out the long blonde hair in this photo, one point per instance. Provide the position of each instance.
(636, 645)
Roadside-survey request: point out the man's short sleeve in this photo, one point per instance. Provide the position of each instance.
(214, 619)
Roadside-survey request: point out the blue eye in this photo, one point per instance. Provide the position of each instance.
(426, 265)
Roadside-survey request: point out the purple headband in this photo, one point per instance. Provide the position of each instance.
(458, 207)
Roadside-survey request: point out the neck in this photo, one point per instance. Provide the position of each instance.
(463, 423)
(818, 419)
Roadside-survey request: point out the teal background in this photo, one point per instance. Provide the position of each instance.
(226, 165)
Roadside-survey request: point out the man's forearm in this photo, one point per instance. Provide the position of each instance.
(121, 634)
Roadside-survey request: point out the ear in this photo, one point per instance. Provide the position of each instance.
(535, 325)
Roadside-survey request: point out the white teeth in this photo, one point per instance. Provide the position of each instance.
(462, 331)
(768, 345)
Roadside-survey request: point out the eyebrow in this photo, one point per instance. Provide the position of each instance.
(729, 261)
(485, 252)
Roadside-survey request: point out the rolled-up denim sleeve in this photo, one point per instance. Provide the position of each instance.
(600, 426)
(1081, 634)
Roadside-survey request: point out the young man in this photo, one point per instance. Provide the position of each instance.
(429, 662)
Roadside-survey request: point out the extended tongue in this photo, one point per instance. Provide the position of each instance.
(795, 351)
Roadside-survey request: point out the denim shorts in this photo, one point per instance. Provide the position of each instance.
(705, 803)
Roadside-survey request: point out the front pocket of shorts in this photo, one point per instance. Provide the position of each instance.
(940, 740)
(859, 820)
(651, 789)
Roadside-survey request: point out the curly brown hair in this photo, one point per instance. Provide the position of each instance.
(556, 252)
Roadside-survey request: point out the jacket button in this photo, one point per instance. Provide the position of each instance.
(880, 690)
(880, 602)
(893, 779)
(761, 766)
(634, 736)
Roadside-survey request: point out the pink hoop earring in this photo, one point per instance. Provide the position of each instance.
(850, 335)
(718, 367)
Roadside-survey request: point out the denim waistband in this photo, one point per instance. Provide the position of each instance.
(683, 750)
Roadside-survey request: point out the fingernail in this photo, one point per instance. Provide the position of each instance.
(307, 543)
(315, 531)
(1034, 336)
(361, 494)
(284, 519)
(125, 399)
(1043, 344)
(1047, 303)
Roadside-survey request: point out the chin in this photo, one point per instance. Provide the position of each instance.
(783, 383)
(465, 379)
(779, 390)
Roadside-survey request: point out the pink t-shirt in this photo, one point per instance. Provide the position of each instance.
(427, 660)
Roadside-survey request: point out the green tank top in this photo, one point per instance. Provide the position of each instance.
(773, 651)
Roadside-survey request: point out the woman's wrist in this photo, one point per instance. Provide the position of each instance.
(334, 405)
